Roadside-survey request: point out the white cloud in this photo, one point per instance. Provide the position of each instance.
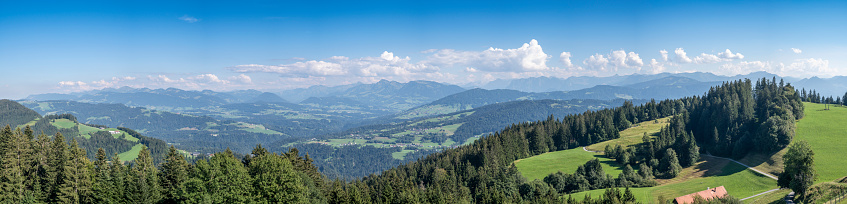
(703, 58)
(207, 78)
(795, 50)
(565, 57)
(655, 67)
(616, 60)
(596, 61)
(528, 58)
(681, 56)
(188, 19)
(664, 55)
(313, 67)
(729, 55)
(387, 64)
(706, 59)
(241, 78)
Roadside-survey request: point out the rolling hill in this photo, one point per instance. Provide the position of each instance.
(114, 140)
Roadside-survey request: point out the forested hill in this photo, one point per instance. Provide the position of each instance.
(90, 137)
(15, 114)
(201, 134)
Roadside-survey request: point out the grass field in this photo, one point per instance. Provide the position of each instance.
(633, 135)
(826, 133)
(401, 154)
(131, 154)
(738, 181)
(63, 123)
(567, 161)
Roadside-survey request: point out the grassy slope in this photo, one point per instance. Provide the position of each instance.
(63, 123)
(826, 133)
(537, 167)
(633, 135)
(567, 161)
(737, 180)
(131, 154)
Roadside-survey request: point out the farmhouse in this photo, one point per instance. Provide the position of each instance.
(114, 132)
(709, 193)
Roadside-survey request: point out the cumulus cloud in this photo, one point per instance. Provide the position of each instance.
(655, 67)
(681, 56)
(616, 60)
(387, 64)
(703, 58)
(188, 19)
(565, 57)
(241, 78)
(664, 54)
(528, 58)
(797, 51)
(729, 55)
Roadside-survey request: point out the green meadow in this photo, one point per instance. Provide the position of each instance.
(826, 133)
(567, 161)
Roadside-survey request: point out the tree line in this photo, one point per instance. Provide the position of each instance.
(43, 169)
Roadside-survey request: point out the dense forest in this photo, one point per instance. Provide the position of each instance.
(757, 118)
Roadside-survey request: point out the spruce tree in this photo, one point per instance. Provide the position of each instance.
(117, 181)
(13, 152)
(670, 164)
(143, 184)
(39, 177)
(56, 162)
(77, 177)
(174, 173)
(102, 189)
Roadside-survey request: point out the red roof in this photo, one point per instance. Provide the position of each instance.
(718, 192)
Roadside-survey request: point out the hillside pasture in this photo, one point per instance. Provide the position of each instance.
(63, 123)
(826, 133)
(739, 182)
(566, 161)
(633, 135)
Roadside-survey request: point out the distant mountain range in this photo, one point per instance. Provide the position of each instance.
(548, 84)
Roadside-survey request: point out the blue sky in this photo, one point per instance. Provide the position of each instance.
(62, 46)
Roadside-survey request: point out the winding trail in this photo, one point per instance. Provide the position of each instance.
(748, 167)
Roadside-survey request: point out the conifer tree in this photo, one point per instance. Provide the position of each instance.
(101, 189)
(174, 173)
(56, 162)
(13, 150)
(670, 164)
(143, 184)
(38, 177)
(77, 177)
(117, 181)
